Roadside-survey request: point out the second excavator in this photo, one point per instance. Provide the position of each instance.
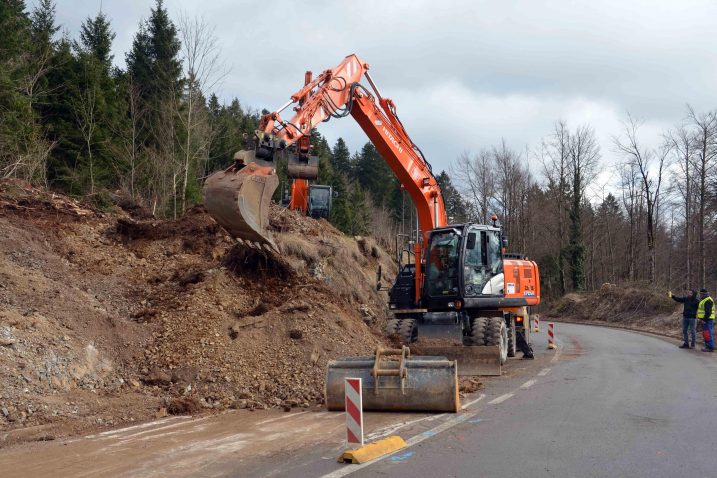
(459, 281)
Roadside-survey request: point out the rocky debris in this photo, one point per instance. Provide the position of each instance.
(109, 318)
(183, 406)
(468, 385)
(368, 316)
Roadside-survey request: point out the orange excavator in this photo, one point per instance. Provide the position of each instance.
(459, 281)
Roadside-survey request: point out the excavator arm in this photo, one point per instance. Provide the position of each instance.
(335, 93)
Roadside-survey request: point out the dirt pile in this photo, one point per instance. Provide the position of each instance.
(633, 305)
(108, 318)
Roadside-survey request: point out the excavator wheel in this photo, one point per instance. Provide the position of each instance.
(405, 330)
(408, 331)
(392, 327)
(512, 340)
(497, 334)
(479, 327)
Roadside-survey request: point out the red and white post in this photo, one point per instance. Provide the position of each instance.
(536, 323)
(551, 336)
(354, 412)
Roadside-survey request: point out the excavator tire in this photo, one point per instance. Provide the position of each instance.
(479, 327)
(392, 327)
(497, 334)
(408, 331)
(512, 340)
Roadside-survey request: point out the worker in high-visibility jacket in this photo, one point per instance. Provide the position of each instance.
(706, 313)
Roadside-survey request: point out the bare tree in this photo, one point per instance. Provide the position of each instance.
(128, 145)
(642, 159)
(584, 155)
(683, 146)
(85, 111)
(555, 153)
(203, 71)
(475, 178)
(705, 155)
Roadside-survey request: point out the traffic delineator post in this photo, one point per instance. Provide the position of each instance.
(536, 323)
(361, 453)
(354, 411)
(551, 336)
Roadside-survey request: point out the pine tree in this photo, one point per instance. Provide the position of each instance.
(96, 39)
(374, 175)
(17, 122)
(342, 158)
(59, 119)
(156, 68)
(455, 205)
(43, 24)
(42, 33)
(94, 102)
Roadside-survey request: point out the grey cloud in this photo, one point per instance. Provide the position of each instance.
(464, 73)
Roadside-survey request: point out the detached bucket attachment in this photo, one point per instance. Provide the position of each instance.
(239, 198)
(416, 384)
(473, 360)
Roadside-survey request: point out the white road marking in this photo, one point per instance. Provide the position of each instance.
(113, 433)
(482, 396)
(391, 429)
(543, 372)
(283, 417)
(501, 399)
(528, 384)
(555, 357)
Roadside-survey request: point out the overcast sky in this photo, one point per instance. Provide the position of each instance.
(463, 74)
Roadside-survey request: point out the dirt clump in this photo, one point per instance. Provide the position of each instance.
(108, 317)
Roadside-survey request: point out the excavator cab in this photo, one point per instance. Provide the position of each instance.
(463, 262)
(465, 297)
(320, 199)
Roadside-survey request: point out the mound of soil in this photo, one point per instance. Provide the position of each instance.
(633, 305)
(108, 318)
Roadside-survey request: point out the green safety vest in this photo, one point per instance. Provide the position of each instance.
(701, 309)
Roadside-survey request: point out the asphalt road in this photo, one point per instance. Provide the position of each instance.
(606, 403)
(626, 405)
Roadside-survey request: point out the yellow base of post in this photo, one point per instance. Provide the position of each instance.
(373, 450)
(536, 330)
(552, 346)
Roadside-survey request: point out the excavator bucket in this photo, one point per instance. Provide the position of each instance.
(416, 384)
(239, 198)
(473, 360)
(303, 168)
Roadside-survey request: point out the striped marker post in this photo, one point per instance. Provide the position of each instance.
(354, 412)
(551, 336)
(536, 323)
